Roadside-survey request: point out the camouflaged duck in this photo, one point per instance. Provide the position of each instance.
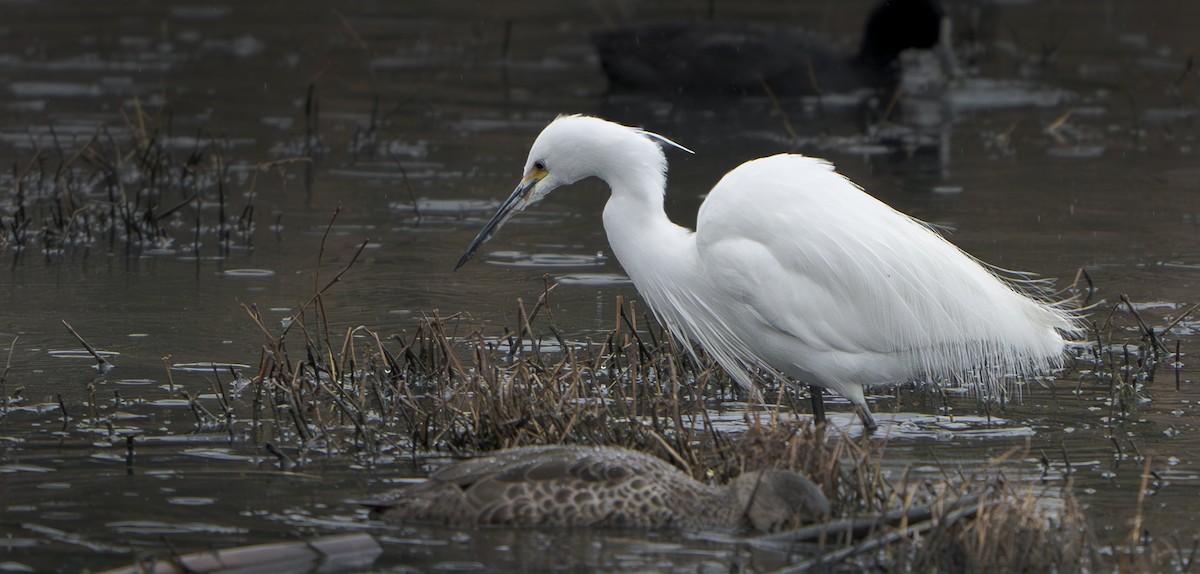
(599, 486)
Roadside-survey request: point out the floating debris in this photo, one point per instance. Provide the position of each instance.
(594, 279)
(208, 367)
(254, 273)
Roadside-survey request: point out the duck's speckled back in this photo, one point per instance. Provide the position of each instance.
(587, 486)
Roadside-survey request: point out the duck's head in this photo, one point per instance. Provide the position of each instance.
(775, 500)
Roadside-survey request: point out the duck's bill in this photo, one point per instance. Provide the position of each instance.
(512, 206)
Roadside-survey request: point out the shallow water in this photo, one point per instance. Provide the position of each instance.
(1072, 145)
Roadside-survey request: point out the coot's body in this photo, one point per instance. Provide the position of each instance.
(738, 58)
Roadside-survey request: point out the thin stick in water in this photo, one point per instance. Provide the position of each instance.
(102, 364)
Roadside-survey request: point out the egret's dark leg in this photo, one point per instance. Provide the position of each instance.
(868, 421)
(818, 403)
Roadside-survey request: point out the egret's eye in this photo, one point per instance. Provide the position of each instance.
(539, 165)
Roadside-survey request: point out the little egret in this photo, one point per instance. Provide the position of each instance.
(795, 270)
(599, 486)
(739, 58)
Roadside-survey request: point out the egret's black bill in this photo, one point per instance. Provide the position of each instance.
(514, 204)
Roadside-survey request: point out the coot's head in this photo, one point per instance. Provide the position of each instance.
(897, 25)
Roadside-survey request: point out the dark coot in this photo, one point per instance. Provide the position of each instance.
(701, 58)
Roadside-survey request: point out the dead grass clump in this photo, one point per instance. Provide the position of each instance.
(977, 526)
(431, 391)
(446, 387)
(1010, 530)
(968, 524)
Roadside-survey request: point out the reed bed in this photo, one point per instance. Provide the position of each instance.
(430, 391)
(138, 187)
(446, 386)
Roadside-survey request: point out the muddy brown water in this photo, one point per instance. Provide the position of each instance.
(1072, 144)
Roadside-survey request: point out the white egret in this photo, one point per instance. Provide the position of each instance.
(795, 270)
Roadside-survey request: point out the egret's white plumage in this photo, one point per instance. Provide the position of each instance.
(795, 270)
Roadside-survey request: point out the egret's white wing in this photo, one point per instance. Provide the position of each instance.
(792, 246)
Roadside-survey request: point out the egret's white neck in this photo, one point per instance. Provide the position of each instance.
(634, 217)
(654, 251)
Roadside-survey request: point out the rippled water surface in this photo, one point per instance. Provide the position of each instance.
(1071, 144)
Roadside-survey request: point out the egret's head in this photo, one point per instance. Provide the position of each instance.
(570, 149)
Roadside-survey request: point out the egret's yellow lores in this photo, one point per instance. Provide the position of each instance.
(795, 270)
